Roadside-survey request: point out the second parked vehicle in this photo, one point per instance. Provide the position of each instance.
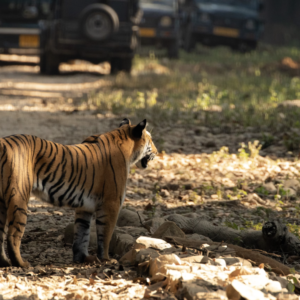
(235, 23)
(160, 25)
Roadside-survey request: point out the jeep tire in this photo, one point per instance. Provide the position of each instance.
(98, 22)
(49, 63)
(118, 64)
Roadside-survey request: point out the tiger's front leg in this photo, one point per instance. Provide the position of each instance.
(81, 235)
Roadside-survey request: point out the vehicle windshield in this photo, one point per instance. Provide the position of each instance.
(243, 3)
(170, 3)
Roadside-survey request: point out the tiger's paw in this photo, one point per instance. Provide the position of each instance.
(91, 259)
(25, 264)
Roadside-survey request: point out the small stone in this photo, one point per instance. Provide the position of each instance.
(270, 187)
(237, 261)
(292, 183)
(174, 186)
(165, 193)
(59, 213)
(210, 144)
(220, 262)
(273, 287)
(189, 185)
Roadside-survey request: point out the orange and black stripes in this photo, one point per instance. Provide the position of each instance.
(89, 177)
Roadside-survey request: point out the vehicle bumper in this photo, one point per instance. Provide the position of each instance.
(224, 34)
(152, 35)
(20, 40)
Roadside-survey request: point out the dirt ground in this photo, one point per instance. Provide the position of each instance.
(48, 107)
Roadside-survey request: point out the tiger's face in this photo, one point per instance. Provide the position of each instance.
(144, 149)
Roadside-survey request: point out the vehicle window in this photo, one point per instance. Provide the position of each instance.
(170, 3)
(244, 3)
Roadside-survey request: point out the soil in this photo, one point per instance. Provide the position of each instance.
(53, 108)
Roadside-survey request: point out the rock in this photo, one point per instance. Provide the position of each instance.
(136, 231)
(146, 254)
(189, 185)
(191, 215)
(210, 144)
(158, 266)
(120, 243)
(153, 243)
(290, 193)
(273, 287)
(197, 259)
(270, 187)
(154, 223)
(173, 186)
(237, 261)
(192, 291)
(130, 218)
(196, 236)
(237, 290)
(168, 229)
(165, 193)
(292, 183)
(219, 262)
(69, 235)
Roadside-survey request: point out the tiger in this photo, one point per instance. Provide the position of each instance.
(89, 177)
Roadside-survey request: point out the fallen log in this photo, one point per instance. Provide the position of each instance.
(252, 255)
(274, 237)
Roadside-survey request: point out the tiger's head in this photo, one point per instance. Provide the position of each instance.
(144, 149)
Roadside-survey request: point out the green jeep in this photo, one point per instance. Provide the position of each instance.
(62, 30)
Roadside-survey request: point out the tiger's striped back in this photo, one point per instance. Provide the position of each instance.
(89, 177)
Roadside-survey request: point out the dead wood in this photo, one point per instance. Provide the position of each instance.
(252, 255)
(274, 236)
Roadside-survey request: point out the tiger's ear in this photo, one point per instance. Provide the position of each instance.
(125, 122)
(137, 131)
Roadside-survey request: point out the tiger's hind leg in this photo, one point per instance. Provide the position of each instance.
(4, 261)
(106, 219)
(81, 235)
(17, 219)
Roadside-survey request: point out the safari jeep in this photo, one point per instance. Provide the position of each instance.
(235, 23)
(91, 30)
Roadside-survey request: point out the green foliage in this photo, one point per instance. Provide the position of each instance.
(262, 191)
(210, 89)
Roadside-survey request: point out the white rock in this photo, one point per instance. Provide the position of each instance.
(153, 243)
(273, 286)
(237, 289)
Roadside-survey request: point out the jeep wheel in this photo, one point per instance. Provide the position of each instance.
(173, 50)
(119, 64)
(98, 22)
(49, 63)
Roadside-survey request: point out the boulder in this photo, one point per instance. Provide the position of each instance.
(154, 223)
(120, 243)
(196, 236)
(130, 218)
(168, 229)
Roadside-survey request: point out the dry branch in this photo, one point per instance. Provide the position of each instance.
(258, 258)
